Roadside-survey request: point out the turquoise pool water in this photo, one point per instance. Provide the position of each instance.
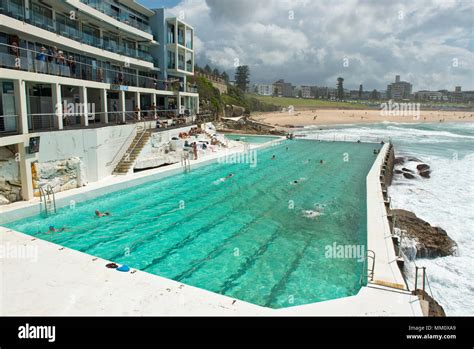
(246, 237)
(250, 138)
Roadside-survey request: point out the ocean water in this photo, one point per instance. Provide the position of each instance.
(250, 138)
(248, 236)
(445, 200)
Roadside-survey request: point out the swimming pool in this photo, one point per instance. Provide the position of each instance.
(251, 138)
(246, 237)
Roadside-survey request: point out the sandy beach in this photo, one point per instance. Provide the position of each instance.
(344, 116)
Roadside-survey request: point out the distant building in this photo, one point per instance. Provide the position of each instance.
(264, 89)
(460, 96)
(431, 96)
(324, 92)
(306, 92)
(283, 89)
(399, 89)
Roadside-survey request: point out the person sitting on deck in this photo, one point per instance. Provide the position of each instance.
(100, 214)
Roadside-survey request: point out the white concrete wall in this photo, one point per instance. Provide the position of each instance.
(95, 147)
(379, 236)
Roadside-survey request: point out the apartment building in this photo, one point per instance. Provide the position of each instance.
(87, 65)
(399, 89)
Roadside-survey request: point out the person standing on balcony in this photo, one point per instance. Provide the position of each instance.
(100, 75)
(71, 62)
(120, 77)
(61, 60)
(41, 58)
(16, 54)
(53, 53)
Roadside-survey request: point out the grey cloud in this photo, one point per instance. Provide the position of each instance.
(310, 48)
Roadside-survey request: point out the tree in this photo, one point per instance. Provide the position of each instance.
(374, 95)
(208, 69)
(242, 74)
(216, 72)
(225, 76)
(340, 88)
(361, 91)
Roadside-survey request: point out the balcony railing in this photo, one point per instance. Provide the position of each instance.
(40, 20)
(12, 10)
(8, 125)
(13, 57)
(104, 7)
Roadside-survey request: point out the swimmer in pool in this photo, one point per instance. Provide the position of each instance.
(312, 214)
(52, 230)
(100, 214)
(274, 157)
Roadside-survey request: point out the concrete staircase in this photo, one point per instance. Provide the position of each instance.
(133, 152)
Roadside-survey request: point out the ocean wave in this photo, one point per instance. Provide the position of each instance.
(445, 200)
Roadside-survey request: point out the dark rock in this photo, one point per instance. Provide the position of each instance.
(408, 176)
(425, 174)
(398, 172)
(422, 167)
(407, 170)
(434, 308)
(399, 161)
(431, 242)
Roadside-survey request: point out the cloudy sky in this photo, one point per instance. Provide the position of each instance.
(429, 43)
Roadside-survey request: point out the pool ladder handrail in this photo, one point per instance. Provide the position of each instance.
(368, 274)
(425, 281)
(47, 198)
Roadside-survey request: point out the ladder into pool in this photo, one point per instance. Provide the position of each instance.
(47, 200)
(368, 271)
(185, 162)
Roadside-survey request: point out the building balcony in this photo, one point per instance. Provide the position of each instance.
(122, 15)
(60, 27)
(21, 59)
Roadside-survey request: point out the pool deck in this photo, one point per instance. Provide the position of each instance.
(54, 280)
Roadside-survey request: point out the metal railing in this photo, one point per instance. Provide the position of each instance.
(65, 65)
(368, 273)
(46, 22)
(47, 200)
(425, 281)
(8, 125)
(104, 7)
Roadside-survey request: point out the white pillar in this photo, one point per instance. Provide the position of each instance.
(179, 103)
(85, 106)
(21, 109)
(122, 105)
(153, 101)
(25, 174)
(138, 104)
(58, 106)
(104, 117)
